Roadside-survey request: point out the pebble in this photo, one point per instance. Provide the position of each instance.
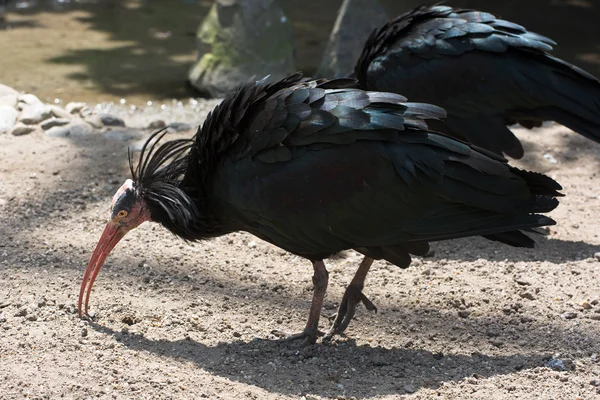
(158, 124)
(8, 100)
(2, 319)
(6, 90)
(410, 388)
(595, 382)
(74, 108)
(597, 256)
(21, 312)
(464, 313)
(569, 315)
(35, 114)
(111, 120)
(556, 364)
(522, 281)
(180, 126)
(586, 306)
(22, 129)
(123, 134)
(94, 120)
(52, 122)
(84, 332)
(81, 129)
(30, 99)
(59, 131)
(8, 116)
(252, 244)
(550, 158)
(59, 112)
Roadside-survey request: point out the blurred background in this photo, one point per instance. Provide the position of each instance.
(140, 50)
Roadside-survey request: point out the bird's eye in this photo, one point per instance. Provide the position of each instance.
(122, 214)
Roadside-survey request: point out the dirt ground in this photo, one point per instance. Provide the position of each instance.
(478, 320)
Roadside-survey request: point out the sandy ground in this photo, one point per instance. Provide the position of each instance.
(478, 320)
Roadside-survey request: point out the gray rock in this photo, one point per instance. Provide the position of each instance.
(94, 120)
(34, 114)
(52, 122)
(569, 315)
(8, 100)
(81, 129)
(59, 131)
(240, 39)
(22, 129)
(29, 99)
(410, 388)
(180, 127)
(59, 112)
(355, 22)
(74, 108)
(5, 90)
(8, 116)
(158, 124)
(111, 120)
(123, 134)
(556, 364)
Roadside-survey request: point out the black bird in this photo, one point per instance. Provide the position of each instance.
(316, 167)
(485, 72)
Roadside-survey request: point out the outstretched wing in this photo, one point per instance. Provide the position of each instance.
(486, 73)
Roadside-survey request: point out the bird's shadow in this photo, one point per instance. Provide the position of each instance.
(345, 368)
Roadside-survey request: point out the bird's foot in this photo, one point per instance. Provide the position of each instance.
(307, 337)
(352, 297)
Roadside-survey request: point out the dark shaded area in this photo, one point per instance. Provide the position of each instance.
(161, 36)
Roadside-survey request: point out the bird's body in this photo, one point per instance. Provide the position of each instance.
(485, 72)
(316, 167)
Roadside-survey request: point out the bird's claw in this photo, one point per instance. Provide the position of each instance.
(352, 297)
(307, 337)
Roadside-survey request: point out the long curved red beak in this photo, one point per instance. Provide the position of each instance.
(112, 234)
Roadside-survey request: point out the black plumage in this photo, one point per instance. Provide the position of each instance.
(316, 167)
(486, 72)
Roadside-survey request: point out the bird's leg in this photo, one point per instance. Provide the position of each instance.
(352, 296)
(311, 331)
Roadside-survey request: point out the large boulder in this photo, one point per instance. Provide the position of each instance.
(355, 22)
(240, 39)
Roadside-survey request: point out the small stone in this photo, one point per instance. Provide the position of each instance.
(522, 281)
(379, 361)
(94, 120)
(526, 319)
(180, 126)
(556, 364)
(74, 108)
(128, 319)
(111, 120)
(81, 129)
(252, 244)
(410, 388)
(550, 158)
(236, 334)
(527, 295)
(34, 114)
(158, 124)
(6, 90)
(123, 134)
(8, 117)
(597, 256)
(2, 319)
(21, 129)
(59, 112)
(569, 315)
(21, 312)
(84, 332)
(8, 100)
(52, 122)
(30, 99)
(464, 313)
(59, 131)
(586, 306)
(32, 317)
